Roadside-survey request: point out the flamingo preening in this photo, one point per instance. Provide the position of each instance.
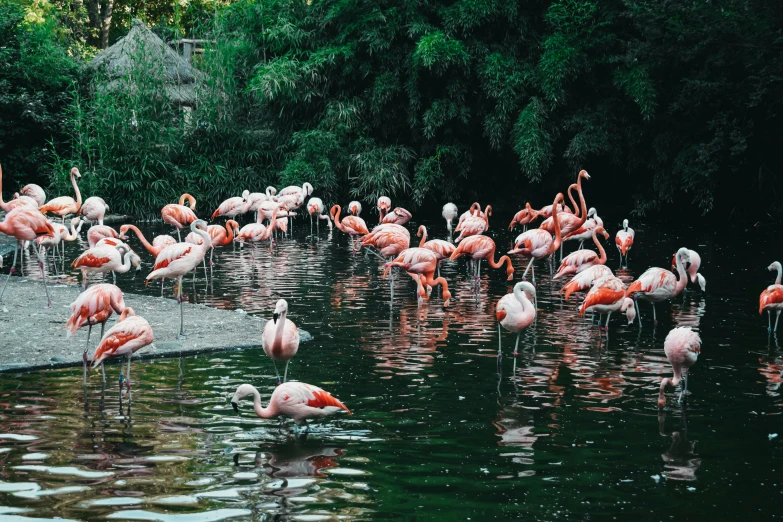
(581, 260)
(280, 339)
(19, 201)
(442, 249)
(605, 297)
(94, 209)
(421, 264)
(475, 224)
(398, 216)
(524, 217)
(515, 312)
(178, 215)
(694, 263)
(232, 207)
(585, 279)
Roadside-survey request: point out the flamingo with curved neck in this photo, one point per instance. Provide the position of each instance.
(581, 260)
(297, 400)
(515, 312)
(65, 205)
(772, 297)
(158, 242)
(538, 243)
(657, 284)
(351, 225)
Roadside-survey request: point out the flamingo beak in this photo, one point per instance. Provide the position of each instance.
(275, 316)
(235, 406)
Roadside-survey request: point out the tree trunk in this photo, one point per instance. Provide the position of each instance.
(94, 13)
(106, 23)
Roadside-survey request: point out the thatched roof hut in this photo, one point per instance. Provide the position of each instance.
(143, 48)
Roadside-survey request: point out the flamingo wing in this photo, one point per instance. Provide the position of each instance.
(773, 295)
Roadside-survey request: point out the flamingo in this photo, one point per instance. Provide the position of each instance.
(280, 338)
(585, 279)
(515, 312)
(772, 298)
(180, 216)
(442, 249)
(296, 400)
(65, 205)
(482, 247)
(128, 336)
(93, 209)
(232, 207)
(315, 207)
(606, 296)
(474, 224)
(102, 259)
(305, 190)
(474, 210)
(117, 243)
(33, 191)
(449, 212)
(351, 225)
(585, 231)
(398, 216)
(693, 270)
(158, 242)
(94, 306)
(254, 199)
(221, 236)
(257, 232)
(524, 217)
(538, 243)
(658, 284)
(26, 223)
(20, 201)
(624, 241)
(421, 264)
(570, 222)
(384, 205)
(179, 259)
(389, 239)
(581, 260)
(61, 234)
(98, 232)
(354, 208)
(682, 347)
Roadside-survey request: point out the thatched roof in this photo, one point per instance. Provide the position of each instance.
(143, 47)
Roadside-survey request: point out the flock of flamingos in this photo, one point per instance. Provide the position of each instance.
(26, 221)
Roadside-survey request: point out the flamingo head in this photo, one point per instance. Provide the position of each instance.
(245, 194)
(528, 288)
(774, 266)
(422, 230)
(583, 174)
(684, 255)
(281, 308)
(75, 173)
(602, 231)
(591, 212)
(625, 224)
(243, 391)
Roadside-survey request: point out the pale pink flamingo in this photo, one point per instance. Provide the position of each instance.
(581, 260)
(449, 213)
(658, 284)
(232, 207)
(102, 259)
(624, 241)
(570, 222)
(254, 199)
(384, 205)
(94, 209)
(61, 234)
(295, 400)
(158, 242)
(257, 232)
(398, 216)
(128, 336)
(98, 232)
(606, 296)
(179, 216)
(20, 201)
(586, 230)
(693, 269)
(221, 236)
(118, 243)
(478, 248)
(421, 263)
(389, 239)
(772, 298)
(351, 225)
(315, 207)
(305, 190)
(280, 338)
(179, 259)
(474, 224)
(33, 191)
(515, 312)
(354, 208)
(682, 347)
(26, 223)
(538, 243)
(546, 212)
(65, 205)
(94, 306)
(585, 279)
(442, 249)
(524, 217)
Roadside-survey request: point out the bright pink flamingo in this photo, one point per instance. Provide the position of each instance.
(232, 207)
(478, 248)
(581, 260)
(658, 284)
(26, 223)
(98, 232)
(102, 259)
(65, 205)
(515, 312)
(475, 224)
(296, 400)
(389, 239)
(624, 241)
(442, 249)
(354, 208)
(693, 269)
(524, 217)
(449, 212)
(32, 191)
(94, 209)
(421, 264)
(20, 201)
(586, 230)
(180, 216)
(585, 279)
(94, 306)
(128, 336)
(281, 338)
(772, 298)
(682, 347)
(315, 207)
(398, 216)
(384, 205)
(179, 259)
(570, 222)
(158, 242)
(538, 243)
(351, 225)
(606, 296)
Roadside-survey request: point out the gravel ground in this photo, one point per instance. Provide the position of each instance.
(32, 336)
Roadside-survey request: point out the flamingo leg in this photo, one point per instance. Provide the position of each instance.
(277, 373)
(179, 236)
(84, 356)
(655, 318)
(204, 262)
(285, 372)
(127, 379)
(10, 272)
(516, 351)
(500, 350)
(43, 275)
(607, 320)
(777, 318)
(638, 312)
(211, 253)
(181, 312)
(113, 277)
(103, 373)
(532, 259)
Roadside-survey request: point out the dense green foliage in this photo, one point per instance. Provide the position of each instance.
(662, 101)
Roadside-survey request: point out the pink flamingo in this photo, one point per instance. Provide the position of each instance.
(315, 207)
(546, 212)
(295, 400)
(94, 209)
(586, 230)
(581, 260)
(606, 296)
(351, 225)
(179, 259)
(693, 270)
(585, 279)
(475, 224)
(98, 232)
(570, 222)
(658, 284)
(128, 336)
(474, 210)
(305, 190)
(682, 347)
(102, 259)
(33, 191)
(26, 223)
(257, 232)
(20, 201)
(538, 243)
(384, 205)
(772, 298)
(389, 239)
(221, 236)
(232, 207)
(449, 212)
(515, 312)
(281, 338)
(94, 306)
(159, 243)
(420, 264)
(65, 205)
(524, 217)
(624, 241)
(354, 208)
(180, 216)
(61, 234)
(442, 249)
(254, 199)
(398, 216)
(478, 248)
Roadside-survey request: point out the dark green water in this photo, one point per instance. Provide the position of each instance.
(437, 433)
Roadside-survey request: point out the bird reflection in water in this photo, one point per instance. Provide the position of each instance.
(771, 366)
(680, 460)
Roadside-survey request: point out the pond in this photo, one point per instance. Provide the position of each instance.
(437, 433)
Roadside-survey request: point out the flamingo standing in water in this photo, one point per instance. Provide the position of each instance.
(254, 199)
(102, 259)
(61, 234)
(449, 212)
(384, 205)
(179, 216)
(281, 338)
(693, 269)
(442, 249)
(772, 298)
(478, 248)
(398, 216)
(128, 336)
(581, 260)
(570, 222)
(606, 296)
(585, 279)
(538, 243)
(475, 224)
(682, 347)
(94, 209)
(658, 284)
(624, 241)
(515, 312)
(27, 224)
(524, 217)
(257, 232)
(221, 236)
(179, 259)
(354, 208)
(33, 191)
(389, 239)
(65, 205)
(232, 207)
(586, 230)
(421, 264)
(94, 306)
(315, 207)
(295, 400)
(351, 225)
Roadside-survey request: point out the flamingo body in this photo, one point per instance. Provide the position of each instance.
(296, 400)
(682, 347)
(94, 209)
(585, 279)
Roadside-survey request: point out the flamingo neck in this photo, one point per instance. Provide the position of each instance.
(573, 202)
(264, 413)
(76, 190)
(423, 236)
(602, 258)
(521, 296)
(487, 211)
(556, 223)
(280, 329)
(147, 245)
(74, 232)
(583, 216)
(336, 217)
(205, 237)
(2, 203)
(779, 268)
(126, 263)
(683, 277)
(229, 232)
